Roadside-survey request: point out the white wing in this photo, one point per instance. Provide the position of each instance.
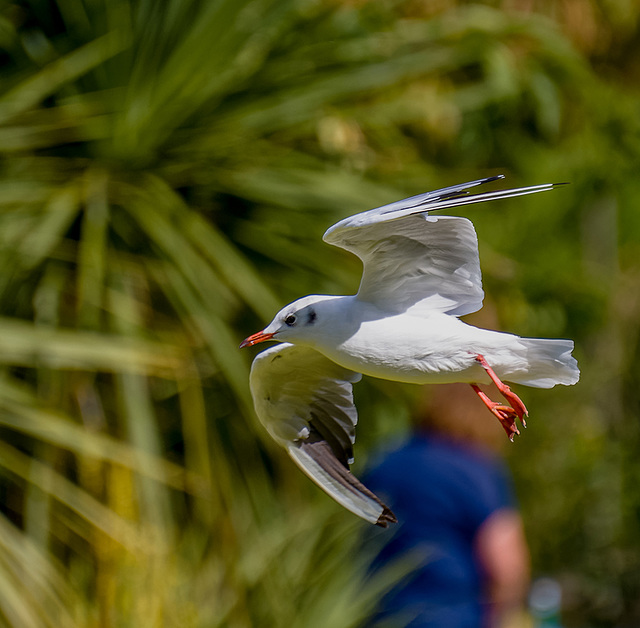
(421, 264)
(305, 401)
(412, 260)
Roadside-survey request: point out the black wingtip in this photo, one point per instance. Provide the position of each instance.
(343, 482)
(497, 177)
(386, 517)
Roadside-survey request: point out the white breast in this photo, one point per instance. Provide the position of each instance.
(412, 349)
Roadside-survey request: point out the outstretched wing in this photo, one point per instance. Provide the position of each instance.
(422, 264)
(416, 261)
(305, 401)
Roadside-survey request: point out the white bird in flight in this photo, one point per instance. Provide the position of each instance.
(420, 274)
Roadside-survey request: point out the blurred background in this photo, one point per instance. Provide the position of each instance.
(167, 171)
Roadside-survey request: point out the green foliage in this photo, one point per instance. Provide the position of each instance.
(166, 172)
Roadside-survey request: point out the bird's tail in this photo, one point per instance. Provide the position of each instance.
(549, 362)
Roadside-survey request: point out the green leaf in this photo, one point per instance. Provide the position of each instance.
(49, 79)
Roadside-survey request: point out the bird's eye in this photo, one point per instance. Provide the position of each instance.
(290, 320)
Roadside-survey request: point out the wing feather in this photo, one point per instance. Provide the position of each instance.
(416, 261)
(305, 401)
(419, 264)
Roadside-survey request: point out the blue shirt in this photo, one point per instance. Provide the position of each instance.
(442, 493)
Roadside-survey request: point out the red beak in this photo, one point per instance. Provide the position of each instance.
(254, 339)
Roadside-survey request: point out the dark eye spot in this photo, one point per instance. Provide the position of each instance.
(290, 320)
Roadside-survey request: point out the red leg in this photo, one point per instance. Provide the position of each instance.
(506, 414)
(514, 401)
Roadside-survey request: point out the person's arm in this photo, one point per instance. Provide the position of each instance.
(502, 550)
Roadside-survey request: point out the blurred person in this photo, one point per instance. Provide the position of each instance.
(453, 498)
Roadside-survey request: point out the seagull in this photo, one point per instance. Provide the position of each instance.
(420, 274)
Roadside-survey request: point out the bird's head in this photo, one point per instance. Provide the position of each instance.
(299, 322)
